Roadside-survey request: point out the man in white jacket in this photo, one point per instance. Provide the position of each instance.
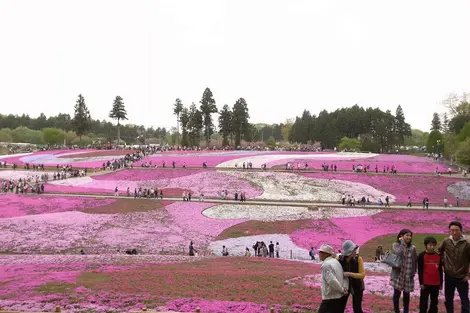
(334, 285)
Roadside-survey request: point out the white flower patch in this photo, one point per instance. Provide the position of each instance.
(288, 186)
(237, 246)
(258, 160)
(75, 181)
(16, 174)
(281, 213)
(4, 156)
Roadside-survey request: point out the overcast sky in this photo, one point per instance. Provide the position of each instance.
(281, 56)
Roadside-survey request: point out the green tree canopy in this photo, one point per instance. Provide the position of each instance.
(435, 142)
(53, 136)
(349, 144)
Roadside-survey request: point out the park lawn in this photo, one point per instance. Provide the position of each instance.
(252, 228)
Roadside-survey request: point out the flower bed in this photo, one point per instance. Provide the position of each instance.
(142, 174)
(145, 225)
(13, 205)
(289, 186)
(269, 158)
(362, 229)
(460, 189)
(281, 213)
(16, 174)
(403, 163)
(188, 216)
(200, 182)
(191, 160)
(401, 186)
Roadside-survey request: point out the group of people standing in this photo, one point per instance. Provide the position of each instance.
(446, 267)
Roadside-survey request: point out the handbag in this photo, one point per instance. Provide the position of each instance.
(393, 260)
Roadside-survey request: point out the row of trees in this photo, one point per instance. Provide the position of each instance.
(233, 123)
(375, 130)
(79, 129)
(450, 132)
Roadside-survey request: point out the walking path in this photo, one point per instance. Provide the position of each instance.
(313, 205)
(278, 170)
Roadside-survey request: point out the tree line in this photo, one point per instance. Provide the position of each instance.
(450, 131)
(197, 123)
(357, 128)
(79, 129)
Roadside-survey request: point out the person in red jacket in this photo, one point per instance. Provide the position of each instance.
(430, 276)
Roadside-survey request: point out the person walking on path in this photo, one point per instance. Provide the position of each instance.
(430, 276)
(455, 253)
(192, 251)
(402, 278)
(334, 286)
(353, 268)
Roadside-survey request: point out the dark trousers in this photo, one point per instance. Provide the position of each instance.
(356, 301)
(426, 293)
(396, 301)
(452, 283)
(331, 306)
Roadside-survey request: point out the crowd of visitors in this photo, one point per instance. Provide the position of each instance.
(444, 266)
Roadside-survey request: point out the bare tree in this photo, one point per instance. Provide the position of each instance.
(452, 102)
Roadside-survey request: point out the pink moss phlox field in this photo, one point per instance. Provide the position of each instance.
(149, 174)
(213, 158)
(150, 232)
(12, 205)
(401, 186)
(80, 190)
(190, 160)
(51, 232)
(362, 229)
(190, 305)
(188, 216)
(210, 182)
(62, 157)
(403, 163)
(41, 154)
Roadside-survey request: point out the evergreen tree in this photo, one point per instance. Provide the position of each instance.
(436, 123)
(445, 123)
(195, 125)
(225, 124)
(402, 129)
(240, 119)
(184, 120)
(207, 108)
(81, 119)
(177, 109)
(118, 112)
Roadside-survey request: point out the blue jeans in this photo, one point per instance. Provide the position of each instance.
(452, 283)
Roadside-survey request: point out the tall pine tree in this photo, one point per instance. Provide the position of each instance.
(177, 109)
(119, 113)
(240, 119)
(207, 108)
(82, 118)
(436, 123)
(225, 124)
(402, 129)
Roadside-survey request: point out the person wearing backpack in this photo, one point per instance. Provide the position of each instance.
(402, 276)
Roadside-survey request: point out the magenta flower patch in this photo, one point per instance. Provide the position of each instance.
(12, 205)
